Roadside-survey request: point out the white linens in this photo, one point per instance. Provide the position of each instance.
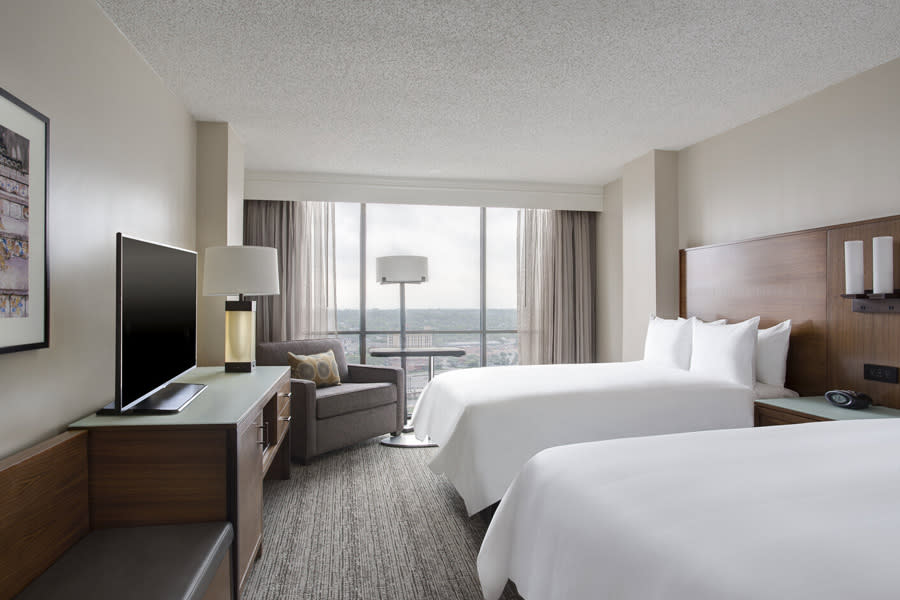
(799, 511)
(488, 422)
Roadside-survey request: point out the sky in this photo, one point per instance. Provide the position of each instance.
(447, 235)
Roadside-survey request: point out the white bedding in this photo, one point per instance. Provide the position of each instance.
(799, 511)
(488, 422)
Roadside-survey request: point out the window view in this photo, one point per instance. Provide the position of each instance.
(466, 247)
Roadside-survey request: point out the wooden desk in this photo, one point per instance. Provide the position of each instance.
(789, 411)
(205, 463)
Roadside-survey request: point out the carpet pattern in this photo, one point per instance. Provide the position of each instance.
(367, 522)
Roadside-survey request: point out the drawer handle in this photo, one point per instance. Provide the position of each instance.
(286, 419)
(264, 442)
(284, 395)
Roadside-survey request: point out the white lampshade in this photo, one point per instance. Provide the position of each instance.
(853, 267)
(234, 270)
(401, 269)
(883, 264)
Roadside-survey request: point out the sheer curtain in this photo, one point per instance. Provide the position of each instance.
(556, 283)
(303, 233)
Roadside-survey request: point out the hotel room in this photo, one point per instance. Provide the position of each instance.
(542, 300)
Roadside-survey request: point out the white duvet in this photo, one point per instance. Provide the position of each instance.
(799, 511)
(488, 422)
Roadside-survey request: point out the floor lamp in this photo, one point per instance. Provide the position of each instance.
(403, 270)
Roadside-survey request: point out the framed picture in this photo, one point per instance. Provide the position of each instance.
(24, 282)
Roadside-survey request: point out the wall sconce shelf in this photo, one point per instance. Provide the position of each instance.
(875, 303)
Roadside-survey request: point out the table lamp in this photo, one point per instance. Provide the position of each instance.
(240, 271)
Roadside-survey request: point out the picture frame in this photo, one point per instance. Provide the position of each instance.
(24, 268)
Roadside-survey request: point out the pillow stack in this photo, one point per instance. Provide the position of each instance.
(725, 351)
(740, 353)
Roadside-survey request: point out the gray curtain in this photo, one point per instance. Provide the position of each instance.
(303, 233)
(556, 286)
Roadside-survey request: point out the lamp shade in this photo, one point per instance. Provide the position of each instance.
(233, 270)
(401, 269)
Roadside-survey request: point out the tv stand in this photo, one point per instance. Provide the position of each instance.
(170, 399)
(205, 463)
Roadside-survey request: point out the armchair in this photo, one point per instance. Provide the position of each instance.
(370, 400)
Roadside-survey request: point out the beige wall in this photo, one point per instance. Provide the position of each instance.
(665, 234)
(220, 222)
(638, 271)
(121, 159)
(830, 158)
(649, 243)
(827, 159)
(609, 275)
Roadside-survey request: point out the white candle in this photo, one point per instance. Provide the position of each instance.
(883, 264)
(853, 267)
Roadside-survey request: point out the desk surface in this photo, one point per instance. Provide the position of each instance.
(820, 407)
(428, 351)
(225, 401)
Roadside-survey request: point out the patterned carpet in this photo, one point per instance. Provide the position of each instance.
(367, 522)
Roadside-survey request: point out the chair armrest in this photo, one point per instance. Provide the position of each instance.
(376, 374)
(303, 418)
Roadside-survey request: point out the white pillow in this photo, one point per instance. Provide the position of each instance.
(771, 353)
(668, 342)
(725, 352)
(716, 322)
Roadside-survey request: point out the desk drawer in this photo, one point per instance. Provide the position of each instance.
(769, 415)
(284, 397)
(284, 422)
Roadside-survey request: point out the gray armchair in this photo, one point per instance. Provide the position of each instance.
(370, 400)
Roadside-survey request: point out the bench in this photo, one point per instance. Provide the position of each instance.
(48, 549)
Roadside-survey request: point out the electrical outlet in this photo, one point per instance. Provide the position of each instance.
(880, 373)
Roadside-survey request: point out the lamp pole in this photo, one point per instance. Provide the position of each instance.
(403, 327)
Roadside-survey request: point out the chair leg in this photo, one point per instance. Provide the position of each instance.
(396, 433)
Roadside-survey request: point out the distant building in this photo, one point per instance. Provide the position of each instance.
(413, 340)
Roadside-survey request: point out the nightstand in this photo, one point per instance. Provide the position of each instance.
(789, 411)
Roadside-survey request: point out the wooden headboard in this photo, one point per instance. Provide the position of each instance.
(800, 276)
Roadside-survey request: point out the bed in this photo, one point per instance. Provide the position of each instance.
(488, 422)
(798, 511)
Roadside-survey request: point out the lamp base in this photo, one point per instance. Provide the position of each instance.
(240, 336)
(240, 367)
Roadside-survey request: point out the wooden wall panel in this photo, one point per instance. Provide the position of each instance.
(43, 507)
(156, 477)
(780, 277)
(857, 338)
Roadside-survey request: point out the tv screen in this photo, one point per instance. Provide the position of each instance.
(157, 317)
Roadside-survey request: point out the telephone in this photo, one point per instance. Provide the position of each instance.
(848, 399)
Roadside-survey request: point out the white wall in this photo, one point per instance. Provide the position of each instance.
(831, 158)
(121, 159)
(638, 270)
(220, 222)
(609, 275)
(649, 246)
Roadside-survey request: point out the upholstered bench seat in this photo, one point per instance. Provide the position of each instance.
(351, 397)
(175, 562)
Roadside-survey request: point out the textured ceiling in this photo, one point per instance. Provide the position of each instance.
(535, 90)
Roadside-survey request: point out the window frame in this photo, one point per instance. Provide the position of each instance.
(482, 331)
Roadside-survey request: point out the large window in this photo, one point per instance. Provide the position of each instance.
(469, 300)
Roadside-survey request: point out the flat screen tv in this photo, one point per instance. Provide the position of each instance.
(156, 326)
